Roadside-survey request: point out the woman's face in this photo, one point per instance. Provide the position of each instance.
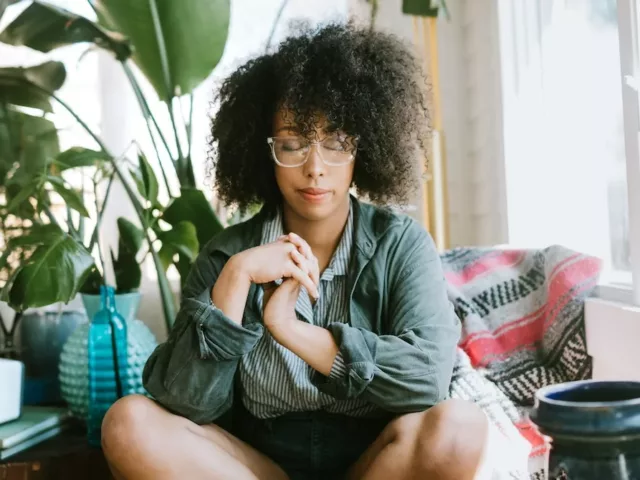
(313, 190)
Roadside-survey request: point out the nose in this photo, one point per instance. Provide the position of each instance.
(314, 167)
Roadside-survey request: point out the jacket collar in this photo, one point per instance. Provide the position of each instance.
(370, 223)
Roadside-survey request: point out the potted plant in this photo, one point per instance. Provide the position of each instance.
(175, 56)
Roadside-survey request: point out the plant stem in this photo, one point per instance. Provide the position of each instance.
(275, 24)
(81, 218)
(70, 226)
(97, 236)
(184, 176)
(50, 215)
(100, 213)
(188, 123)
(8, 347)
(168, 305)
(169, 92)
(146, 112)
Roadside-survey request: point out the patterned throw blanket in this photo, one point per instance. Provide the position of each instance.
(523, 328)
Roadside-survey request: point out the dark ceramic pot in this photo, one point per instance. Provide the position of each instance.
(43, 332)
(594, 429)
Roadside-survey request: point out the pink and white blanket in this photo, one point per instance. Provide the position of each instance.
(522, 313)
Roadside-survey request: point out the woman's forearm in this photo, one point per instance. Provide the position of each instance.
(315, 345)
(230, 291)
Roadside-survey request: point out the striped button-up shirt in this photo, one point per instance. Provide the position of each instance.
(274, 379)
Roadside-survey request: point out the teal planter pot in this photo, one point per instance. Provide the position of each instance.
(74, 360)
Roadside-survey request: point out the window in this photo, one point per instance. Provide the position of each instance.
(571, 129)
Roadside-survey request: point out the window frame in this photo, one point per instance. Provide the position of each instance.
(614, 286)
(628, 35)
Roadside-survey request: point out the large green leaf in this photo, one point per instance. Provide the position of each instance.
(131, 236)
(182, 238)
(192, 206)
(53, 273)
(44, 27)
(71, 197)
(176, 43)
(126, 268)
(77, 157)
(39, 143)
(16, 84)
(146, 180)
(28, 141)
(18, 197)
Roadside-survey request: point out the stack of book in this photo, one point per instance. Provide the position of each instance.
(35, 425)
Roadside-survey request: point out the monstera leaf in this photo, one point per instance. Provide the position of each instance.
(182, 239)
(176, 44)
(45, 27)
(54, 272)
(192, 206)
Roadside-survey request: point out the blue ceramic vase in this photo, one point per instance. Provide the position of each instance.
(74, 365)
(594, 429)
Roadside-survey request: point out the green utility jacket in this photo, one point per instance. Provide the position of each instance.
(398, 344)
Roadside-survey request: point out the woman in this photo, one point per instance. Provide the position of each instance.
(318, 333)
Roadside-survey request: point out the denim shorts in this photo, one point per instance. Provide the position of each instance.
(309, 445)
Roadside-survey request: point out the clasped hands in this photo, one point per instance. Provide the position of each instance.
(291, 260)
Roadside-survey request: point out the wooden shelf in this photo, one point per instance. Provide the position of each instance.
(64, 457)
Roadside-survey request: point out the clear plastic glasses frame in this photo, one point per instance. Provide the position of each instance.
(329, 156)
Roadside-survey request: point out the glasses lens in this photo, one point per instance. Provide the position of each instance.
(290, 151)
(293, 151)
(338, 149)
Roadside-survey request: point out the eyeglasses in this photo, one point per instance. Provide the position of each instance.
(334, 150)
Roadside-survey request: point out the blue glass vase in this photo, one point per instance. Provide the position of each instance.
(107, 356)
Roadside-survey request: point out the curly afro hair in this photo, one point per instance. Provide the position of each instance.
(365, 83)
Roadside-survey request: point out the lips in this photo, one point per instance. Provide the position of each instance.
(314, 191)
(315, 195)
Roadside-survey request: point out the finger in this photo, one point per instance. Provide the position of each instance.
(291, 283)
(303, 278)
(305, 249)
(300, 242)
(309, 266)
(301, 261)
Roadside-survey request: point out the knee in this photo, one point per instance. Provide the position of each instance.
(450, 440)
(125, 423)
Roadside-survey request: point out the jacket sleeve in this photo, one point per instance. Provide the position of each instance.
(191, 374)
(409, 368)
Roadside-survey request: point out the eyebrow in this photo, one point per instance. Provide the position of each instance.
(288, 129)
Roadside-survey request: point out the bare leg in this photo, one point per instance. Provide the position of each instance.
(446, 442)
(142, 441)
